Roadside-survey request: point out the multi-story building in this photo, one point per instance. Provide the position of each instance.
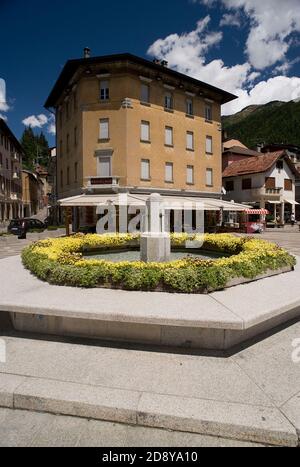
(294, 154)
(125, 124)
(264, 180)
(11, 154)
(33, 193)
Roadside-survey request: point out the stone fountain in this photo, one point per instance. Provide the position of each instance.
(155, 242)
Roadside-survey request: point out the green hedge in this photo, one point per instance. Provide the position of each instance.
(60, 262)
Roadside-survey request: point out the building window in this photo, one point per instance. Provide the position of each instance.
(104, 166)
(169, 172)
(169, 101)
(270, 183)
(61, 179)
(209, 145)
(104, 129)
(229, 186)
(104, 90)
(168, 136)
(247, 184)
(145, 169)
(68, 175)
(145, 132)
(61, 148)
(279, 165)
(208, 112)
(145, 93)
(190, 175)
(209, 177)
(189, 107)
(76, 172)
(288, 184)
(68, 142)
(190, 141)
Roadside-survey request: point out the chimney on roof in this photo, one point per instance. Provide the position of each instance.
(163, 63)
(259, 147)
(86, 52)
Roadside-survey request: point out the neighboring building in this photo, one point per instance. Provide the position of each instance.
(124, 124)
(33, 190)
(235, 153)
(294, 154)
(264, 181)
(11, 154)
(230, 143)
(292, 151)
(52, 177)
(43, 175)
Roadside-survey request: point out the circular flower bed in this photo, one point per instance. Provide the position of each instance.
(60, 261)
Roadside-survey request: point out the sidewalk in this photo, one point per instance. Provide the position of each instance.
(10, 245)
(252, 395)
(19, 428)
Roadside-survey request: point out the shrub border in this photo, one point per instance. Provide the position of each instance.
(59, 261)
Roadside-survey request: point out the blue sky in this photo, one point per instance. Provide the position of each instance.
(248, 47)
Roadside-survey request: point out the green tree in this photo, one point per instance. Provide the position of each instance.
(43, 150)
(29, 145)
(36, 149)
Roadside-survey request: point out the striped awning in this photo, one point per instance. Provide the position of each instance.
(262, 212)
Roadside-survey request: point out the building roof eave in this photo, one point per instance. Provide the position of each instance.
(72, 66)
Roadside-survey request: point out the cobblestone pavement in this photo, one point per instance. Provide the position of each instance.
(286, 239)
(10, 245)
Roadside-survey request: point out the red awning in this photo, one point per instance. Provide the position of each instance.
(262, 212)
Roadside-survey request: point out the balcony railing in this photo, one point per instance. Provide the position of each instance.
(102, 182)
(273, 191)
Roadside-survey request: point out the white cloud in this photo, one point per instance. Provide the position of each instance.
(35, 121)
(3, 103)
(187, 54)
(52, 129)
(280, 88)
(271, 24)
(231, 20)
(41, 121)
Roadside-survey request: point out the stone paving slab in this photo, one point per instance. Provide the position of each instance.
(206, 417)
(19, 428)
(219, 396)
(134, 370)
(99, 403)
(237, 421)
(292, 411)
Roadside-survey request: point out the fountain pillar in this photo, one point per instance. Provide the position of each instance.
(155, 242)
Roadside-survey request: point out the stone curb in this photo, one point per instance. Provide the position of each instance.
(266, 425)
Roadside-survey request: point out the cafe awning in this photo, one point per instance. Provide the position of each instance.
(139, 200)
(291, 201)
(262, 212)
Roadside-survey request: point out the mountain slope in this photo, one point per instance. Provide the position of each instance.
(275, 122)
